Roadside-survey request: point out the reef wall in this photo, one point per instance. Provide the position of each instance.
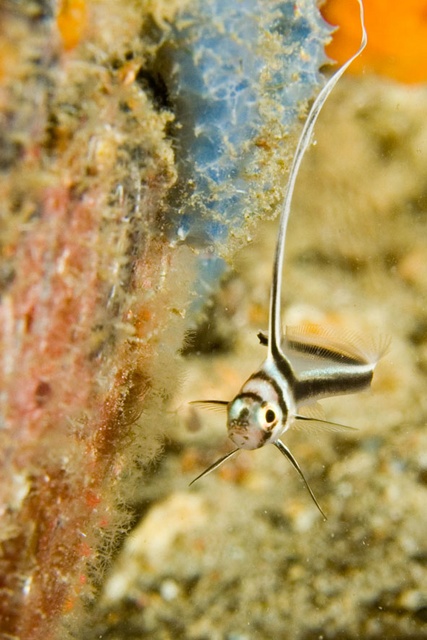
(122, 188)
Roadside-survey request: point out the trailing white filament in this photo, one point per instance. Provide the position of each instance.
(275, 322)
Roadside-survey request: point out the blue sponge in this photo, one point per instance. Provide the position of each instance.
(240, 73)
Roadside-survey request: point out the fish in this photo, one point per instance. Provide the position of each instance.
(308, 363)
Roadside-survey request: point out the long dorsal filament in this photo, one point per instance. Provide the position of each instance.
(304, 365)
(275, 322)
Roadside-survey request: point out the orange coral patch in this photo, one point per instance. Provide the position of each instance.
(397, 37)
(71, 21)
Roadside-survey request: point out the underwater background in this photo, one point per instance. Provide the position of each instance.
(137, 236)
(245, 553)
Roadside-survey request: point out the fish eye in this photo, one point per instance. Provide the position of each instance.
(269, 415)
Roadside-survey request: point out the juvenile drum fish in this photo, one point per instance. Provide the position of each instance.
(309, 363)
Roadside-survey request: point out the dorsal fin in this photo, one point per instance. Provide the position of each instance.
(335, 344)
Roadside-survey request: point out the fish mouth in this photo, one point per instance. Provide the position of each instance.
(244, 438)
(240, 424)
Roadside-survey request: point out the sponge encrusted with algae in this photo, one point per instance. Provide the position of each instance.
(90, 314)
(240, 73)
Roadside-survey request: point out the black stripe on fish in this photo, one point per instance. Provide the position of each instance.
(329, 384)
(262, 375)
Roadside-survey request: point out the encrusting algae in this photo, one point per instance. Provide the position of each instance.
(85, 165)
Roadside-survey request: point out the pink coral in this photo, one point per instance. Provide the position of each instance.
(83, 146)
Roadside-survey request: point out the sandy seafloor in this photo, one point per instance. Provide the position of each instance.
(244, 554)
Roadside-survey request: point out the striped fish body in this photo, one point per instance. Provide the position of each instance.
(263, 408)
(310, 363)
(313, 363)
